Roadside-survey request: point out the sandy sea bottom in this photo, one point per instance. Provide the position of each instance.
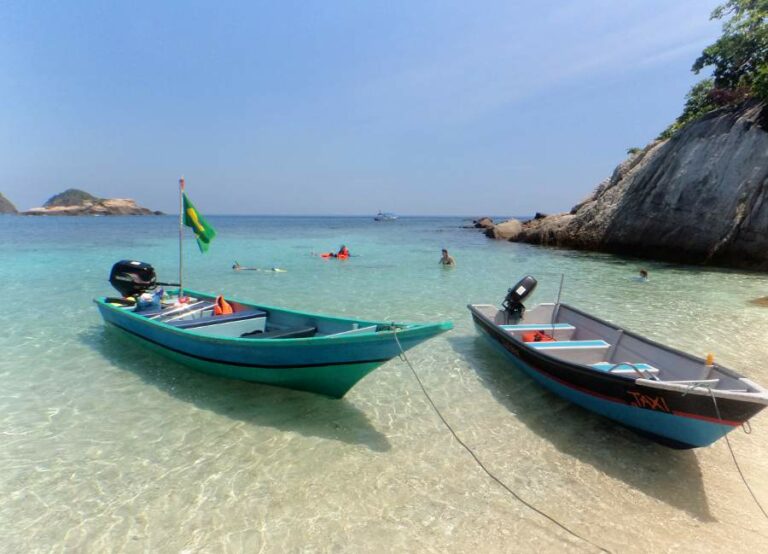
(108, 448)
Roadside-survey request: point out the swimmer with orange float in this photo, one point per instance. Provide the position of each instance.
(342, 254)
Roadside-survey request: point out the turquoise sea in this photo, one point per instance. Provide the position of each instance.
(108, 448)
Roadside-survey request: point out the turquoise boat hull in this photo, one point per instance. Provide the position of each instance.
(331, 362)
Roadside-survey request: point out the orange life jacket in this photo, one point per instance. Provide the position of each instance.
(221, 306)
(537, 336)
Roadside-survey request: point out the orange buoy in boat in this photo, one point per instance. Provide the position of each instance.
(221, 306)
(537, 336)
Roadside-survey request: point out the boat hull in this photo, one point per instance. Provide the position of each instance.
(333, 380)
(322, 365)
(668, 417)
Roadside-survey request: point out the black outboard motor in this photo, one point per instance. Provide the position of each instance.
(513, 303)
(132, 278)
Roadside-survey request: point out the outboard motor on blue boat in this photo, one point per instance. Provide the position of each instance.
(132, 278)
(513, 303)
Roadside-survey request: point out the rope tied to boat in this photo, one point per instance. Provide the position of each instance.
(708, 386)
(482, 466)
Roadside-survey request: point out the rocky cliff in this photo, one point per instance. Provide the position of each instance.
(5, 206)
(699, 197)
(78, 202)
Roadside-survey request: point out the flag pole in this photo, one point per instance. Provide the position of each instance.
(181, 238)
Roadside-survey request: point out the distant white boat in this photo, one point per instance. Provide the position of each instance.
(385, 216)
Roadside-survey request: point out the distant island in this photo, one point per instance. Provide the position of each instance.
(78, 202)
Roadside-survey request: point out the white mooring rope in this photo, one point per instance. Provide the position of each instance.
(478, 461)
(733, 455)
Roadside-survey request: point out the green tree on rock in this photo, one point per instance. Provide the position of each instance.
(740, 56)
(739, 61)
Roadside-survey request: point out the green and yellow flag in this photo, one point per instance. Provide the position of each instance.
(204, 233)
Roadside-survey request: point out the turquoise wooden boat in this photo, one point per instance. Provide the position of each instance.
(275, 346)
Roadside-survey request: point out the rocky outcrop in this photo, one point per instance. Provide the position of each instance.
(6, 207)
(506, 230)
(483, 223)
(78, 202)
(698, 197)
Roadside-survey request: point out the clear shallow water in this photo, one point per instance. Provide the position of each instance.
(108, 448)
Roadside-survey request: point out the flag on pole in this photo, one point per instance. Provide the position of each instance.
(204, 233)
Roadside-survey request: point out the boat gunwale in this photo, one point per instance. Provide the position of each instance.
(234, 363)
(539, 354)
(759, 395)
(405, 329)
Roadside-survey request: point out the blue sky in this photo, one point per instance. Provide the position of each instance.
(338, 107)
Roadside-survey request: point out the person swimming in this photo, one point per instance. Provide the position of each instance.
(641, 277)
(342, 253)
(446, 259)
(237, 267)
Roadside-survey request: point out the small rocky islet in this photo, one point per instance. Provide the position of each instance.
(73, 202)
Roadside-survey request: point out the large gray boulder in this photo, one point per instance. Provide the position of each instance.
(6, 207)
(506, 230)
(483, 223)
(699, 197)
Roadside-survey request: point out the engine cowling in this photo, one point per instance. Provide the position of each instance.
(513, 302)
(132, 278)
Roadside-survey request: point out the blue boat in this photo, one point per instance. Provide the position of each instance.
(672, 397)
(254, 342)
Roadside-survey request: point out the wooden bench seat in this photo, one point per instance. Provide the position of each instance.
(539, 327)
(204, 321)
(286, 333)
(626, 368)
(569, 344)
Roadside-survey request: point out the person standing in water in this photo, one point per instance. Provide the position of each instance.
(446, 259)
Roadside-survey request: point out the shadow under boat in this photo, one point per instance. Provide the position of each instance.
(671, 476)
(253, 403)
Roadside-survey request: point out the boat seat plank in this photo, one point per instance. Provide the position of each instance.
(538, 327)
(694, 382)
(289, 333)
(570, 344)
(358, 331)
(625, 367)
(172, 309)
(216, 319)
